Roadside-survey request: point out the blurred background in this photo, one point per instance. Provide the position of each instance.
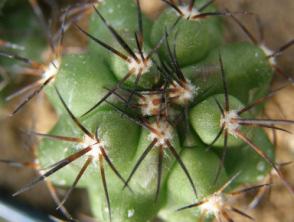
(278, 24)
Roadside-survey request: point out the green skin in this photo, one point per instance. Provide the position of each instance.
(120, 67)
(207, 125)
(117, 140)
(10, 4)
(251, 166)
(126, 28)
(195, 158)
(2, 100)
(2, 3)
(247, 69)
(122, 15)
(124, 23)
(81, 81)
(81, 91)
(193, 39)
(20, 26)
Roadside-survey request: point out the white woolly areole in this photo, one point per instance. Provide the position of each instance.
(164, 133)
(188, 14)
(230, 122)
(95, 146)
(182, 94)
(214, 204)
(52, 69)
(131, 213)
(140, 66)
(150, 104)
(268, 52)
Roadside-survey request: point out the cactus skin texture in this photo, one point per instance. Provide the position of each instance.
(82, 80)
(193, 113)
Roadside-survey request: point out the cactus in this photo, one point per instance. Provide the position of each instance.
(152, 116)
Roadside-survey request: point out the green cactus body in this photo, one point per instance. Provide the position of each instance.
(207, 125)
(165, 92)
(251, 167)
(119, 142)
(121, 68)
(195, 158)
(2, 4)
(243, 63)
(20, 32)
(193, 38)
(22, 28)
(123, 17)
(206, 120)
(87, 87)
